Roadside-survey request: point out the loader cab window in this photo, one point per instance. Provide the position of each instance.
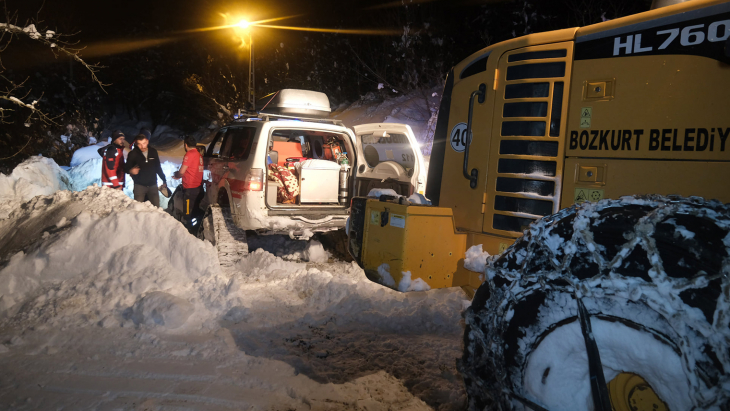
(381, 146)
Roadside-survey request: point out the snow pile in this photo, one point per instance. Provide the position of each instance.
(476, 259)
(85, 154)
(290, 249)
(88, 173)
(35, 176)
(406, 284)
(385, 278)
(124, 293)
(101, 261)
(160, 308)
(283, 291)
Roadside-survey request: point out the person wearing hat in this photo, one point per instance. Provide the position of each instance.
(143, 164)
(112, 166)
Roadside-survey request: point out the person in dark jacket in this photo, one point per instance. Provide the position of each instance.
(143, 164)
(112, 166)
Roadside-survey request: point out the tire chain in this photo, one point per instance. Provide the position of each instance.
(230, 241)
(483, 366)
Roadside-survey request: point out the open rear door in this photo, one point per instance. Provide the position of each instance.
(388, 157)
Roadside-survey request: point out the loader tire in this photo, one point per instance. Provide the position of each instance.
(654, 274)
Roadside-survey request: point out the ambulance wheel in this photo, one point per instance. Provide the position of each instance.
(206, 227)
(654, 275)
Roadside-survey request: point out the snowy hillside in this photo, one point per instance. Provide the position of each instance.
(418, 109)
(106, 302)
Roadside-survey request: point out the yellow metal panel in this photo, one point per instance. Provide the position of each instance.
(629, 177)
(669, 107)
(424, 242)
(455, 190)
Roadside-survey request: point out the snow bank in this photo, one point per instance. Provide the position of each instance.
(85, 154)
(42, 176)
(35, 176)
(290, 249)
(279, 292)
(106, 258)
(88, 173)
(94, 274)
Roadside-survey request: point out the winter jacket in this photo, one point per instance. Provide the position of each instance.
(112, 166)
(149, 168)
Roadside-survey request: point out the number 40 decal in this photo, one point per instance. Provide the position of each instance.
(458, 137)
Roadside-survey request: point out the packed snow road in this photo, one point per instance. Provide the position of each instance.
(106, 303)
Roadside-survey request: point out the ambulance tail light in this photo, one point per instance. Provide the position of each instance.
(255, 180)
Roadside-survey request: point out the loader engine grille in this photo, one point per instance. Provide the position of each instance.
(528, 172)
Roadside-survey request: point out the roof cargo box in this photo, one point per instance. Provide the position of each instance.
(298, 103)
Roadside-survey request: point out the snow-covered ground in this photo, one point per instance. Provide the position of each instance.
(107, 303)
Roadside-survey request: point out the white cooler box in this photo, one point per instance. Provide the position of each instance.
(319, 181)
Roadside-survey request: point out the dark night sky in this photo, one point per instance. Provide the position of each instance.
(112, 19)
(99, 22)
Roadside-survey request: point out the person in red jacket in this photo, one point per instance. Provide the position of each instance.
(112, 165)
(191, 173)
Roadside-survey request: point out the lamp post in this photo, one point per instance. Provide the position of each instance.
(251, 98)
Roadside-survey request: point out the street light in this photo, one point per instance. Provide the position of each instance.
(245, 25)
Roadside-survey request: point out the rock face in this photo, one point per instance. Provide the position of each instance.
(163, 309)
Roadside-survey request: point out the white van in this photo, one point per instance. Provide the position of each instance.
(330, 164)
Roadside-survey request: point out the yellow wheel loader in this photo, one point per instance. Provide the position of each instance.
(583, 160)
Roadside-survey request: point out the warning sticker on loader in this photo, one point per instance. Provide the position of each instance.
(585, 117)
(375, 217)
(397, 221)
(587, 194)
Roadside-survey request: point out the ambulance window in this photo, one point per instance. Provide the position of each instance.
(241, 142)
(391, 147)
(226, 148)
(215, 146)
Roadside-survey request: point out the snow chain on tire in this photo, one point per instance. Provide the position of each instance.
(654, 265)
(219, 228)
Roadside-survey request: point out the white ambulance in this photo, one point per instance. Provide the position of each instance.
(318, 165)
